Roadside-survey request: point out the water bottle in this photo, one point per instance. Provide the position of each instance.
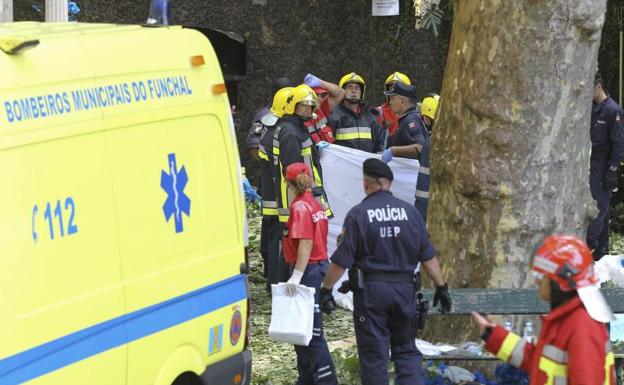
(507, 325)
(527, 333)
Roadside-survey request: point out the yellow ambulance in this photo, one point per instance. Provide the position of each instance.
(122, 219)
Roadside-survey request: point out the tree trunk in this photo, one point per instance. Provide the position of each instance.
(510, 150)
(6, 11)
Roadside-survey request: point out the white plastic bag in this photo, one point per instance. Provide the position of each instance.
(292, 318)
(611, 267)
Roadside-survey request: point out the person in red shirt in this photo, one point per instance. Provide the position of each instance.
(573, 346)
(305, 249)
(330, 95)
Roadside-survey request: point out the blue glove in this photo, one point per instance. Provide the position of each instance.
(312, 80)
(386, 156)
(322, 145)
(250, 192)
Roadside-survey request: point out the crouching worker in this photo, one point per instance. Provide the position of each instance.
(573, 346)
(305, 249)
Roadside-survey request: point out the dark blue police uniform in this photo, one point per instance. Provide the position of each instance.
(607, 137)
(385, 237)
(411, 130)
(422, 183)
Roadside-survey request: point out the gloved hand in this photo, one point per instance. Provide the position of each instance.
(326, 301)
(611, 179)
(386, 156)
(250, 192)
(442, 295)
(322, 145)
(312, 81)
(293, 282)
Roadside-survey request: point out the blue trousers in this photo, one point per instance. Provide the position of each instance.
(314, 363)
(384, 315)
(598, 229)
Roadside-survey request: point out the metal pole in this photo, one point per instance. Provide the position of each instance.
(56, 10)
(6, 11)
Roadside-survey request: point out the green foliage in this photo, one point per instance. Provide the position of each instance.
(347, 365)
(432, 20)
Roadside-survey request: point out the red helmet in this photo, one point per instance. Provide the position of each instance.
(566, 260)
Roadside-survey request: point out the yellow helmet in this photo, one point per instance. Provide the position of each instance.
(397, 77)
(300, 94)
(352, 77)
(429, 106)
(279, 101)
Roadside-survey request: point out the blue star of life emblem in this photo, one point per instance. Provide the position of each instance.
(177, 202)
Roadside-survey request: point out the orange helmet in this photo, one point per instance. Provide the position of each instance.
(565, 260)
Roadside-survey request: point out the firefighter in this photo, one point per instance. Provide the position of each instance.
(355, 124)
(607, 137)
(253, 137)
(573, 346)
(292, 144)
(271, 234)
(383, 241)
(329, 95)
(388, 119)
(305, 250)
(428, 112)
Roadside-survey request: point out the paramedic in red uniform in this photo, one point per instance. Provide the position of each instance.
(573, 346)
(305, 249)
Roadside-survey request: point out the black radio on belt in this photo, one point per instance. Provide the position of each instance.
(356, 277)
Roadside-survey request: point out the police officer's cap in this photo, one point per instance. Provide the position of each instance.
(402, 89)
(375, 168)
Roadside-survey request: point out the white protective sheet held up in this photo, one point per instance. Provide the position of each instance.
(343, 182)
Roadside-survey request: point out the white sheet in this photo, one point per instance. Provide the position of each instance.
(343, 182)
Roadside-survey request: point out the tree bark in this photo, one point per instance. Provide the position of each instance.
(510, 150)
(6, 11)
(56, 10)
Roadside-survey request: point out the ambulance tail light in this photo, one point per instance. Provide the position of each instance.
(160, 13)
(197, 60)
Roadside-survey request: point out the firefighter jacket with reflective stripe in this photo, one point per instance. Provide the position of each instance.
(253, 137)
(360, 131)
(572, 349)
(292, 144)
(267, 172)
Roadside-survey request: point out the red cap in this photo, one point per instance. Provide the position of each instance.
(295, 169)
(320, 90)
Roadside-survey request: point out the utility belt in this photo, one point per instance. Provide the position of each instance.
(358, 278)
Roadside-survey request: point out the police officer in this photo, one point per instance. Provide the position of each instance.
(355, 124)
(412, 133)
(607, 137)
(276, 270)
(383, 240)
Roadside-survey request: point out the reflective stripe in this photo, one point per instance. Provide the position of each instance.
(508, 346)
(263, 155)
(325, 375)
(554, 353)
(609, 365)
(553, 370)
(306, 151)
(307, 143)
(544, 264)
(423, 170)
(324, 368)
(349, 133)
(422, 194)
(517, 356)
(353, 136)
(269, 204)
(270, 212)
(560, 380)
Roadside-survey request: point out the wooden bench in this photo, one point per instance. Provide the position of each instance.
(511, 302)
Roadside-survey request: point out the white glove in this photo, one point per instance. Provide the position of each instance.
(293, 282)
